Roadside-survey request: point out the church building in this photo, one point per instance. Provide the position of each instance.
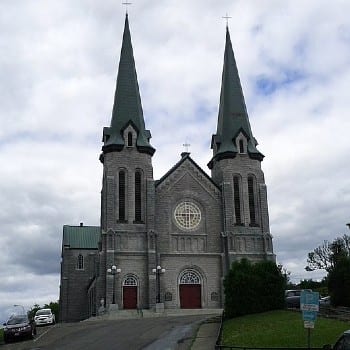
(167, 243)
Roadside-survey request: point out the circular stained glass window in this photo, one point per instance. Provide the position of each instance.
(187, 215)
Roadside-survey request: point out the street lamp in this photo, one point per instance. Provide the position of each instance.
(113, 271)
(24, 311)
(348, 225)
(158, 271)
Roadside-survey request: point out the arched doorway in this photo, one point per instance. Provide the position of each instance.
(190, 289)
(130, 292)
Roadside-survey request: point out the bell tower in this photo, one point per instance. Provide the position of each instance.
(236, 168)
(127, 196)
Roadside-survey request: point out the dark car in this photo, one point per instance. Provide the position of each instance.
(343, 343)
(292, 298)
(18, 327)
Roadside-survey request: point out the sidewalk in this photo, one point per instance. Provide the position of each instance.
(207, 335)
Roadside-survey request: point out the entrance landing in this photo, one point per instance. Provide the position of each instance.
(144, 313)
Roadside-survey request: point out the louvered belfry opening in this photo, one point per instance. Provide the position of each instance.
(237, 200)
(122, 195)
(138, 206)
(251, 200)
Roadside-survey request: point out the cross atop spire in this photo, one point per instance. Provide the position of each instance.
(227, 17)
(126, 3)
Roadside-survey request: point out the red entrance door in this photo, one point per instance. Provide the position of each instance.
(130, 297)
(190, 296)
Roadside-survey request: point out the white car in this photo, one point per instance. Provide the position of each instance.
(44, 316)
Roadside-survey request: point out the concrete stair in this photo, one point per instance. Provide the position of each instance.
(149, 313)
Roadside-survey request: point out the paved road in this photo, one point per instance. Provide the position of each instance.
(149, 334)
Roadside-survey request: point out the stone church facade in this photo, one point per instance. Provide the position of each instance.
(167, 243)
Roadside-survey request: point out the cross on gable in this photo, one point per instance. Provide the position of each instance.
(186, 145)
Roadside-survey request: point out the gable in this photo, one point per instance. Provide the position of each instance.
(190, 177)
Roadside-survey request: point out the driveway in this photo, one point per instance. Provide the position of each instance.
(163, 333)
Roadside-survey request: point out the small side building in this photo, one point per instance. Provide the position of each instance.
(79, 270)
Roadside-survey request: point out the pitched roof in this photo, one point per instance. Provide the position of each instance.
(185, 156)
(127, 108)
(81, 237)
(233, 116)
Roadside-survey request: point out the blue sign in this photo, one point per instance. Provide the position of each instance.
(309, 304)
(309, 300)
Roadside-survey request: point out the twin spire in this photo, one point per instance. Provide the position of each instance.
(233, 116)
(127, 109)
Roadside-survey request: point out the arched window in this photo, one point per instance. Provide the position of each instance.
(130, 281)
(129, 139)
(252, 201)
(241, 146)
(190, 277)
(80, 262)
(237, 200)
(122, 195)
(138, 204)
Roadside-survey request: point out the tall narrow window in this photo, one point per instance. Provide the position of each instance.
(237, 200)
(241, 146)
(122, 195)
(138, 196)
(129, 139)
(80, 262)
(252, 205)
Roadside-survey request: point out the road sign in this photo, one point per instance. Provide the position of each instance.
(309, 324)
(309, 304)
(309, 301)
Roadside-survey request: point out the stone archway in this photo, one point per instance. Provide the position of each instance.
(190, 290)
(130, 292)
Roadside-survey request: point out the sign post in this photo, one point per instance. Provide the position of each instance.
(309, 305)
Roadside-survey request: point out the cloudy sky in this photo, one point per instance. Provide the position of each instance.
(58, 67)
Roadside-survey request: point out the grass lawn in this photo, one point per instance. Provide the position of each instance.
(1, 335)
(280, 328)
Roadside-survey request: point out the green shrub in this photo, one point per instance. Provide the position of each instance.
(339, 283)
(253, 287)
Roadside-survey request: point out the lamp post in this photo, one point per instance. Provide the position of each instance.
(158, 271)
(17, 305)
(348, 225)
(113, 271)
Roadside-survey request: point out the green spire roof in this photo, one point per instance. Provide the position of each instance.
(233, 116)
(127, 108)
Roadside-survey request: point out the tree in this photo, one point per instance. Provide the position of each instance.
(335, 259)
(253, 287)
(316, 286)
(339, 282)
(325, 256)
(33, 310)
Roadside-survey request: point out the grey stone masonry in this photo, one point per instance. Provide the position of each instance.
(169, 243)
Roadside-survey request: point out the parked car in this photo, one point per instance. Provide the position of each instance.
(325, 300)
(18, 326)
(292, 298)
(44, 317)
(343, 343)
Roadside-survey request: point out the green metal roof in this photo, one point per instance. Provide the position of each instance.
(81, 237)
(127, 108)
(233, 115)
